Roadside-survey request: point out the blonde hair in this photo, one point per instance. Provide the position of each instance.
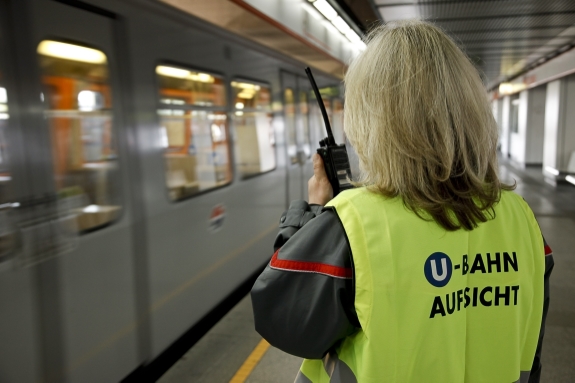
(417, 114)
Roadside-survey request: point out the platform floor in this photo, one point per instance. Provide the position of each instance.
(230, 350)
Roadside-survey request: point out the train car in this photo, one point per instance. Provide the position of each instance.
(145, 157)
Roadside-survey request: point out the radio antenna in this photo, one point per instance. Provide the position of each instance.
(321, 105)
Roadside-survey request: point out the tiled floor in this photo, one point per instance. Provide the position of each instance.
(217, 356)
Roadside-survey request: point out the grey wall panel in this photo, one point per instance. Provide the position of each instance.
(535, 125)
(569, 121)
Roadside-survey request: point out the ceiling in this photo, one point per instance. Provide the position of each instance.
(504, 38)
(238, 17)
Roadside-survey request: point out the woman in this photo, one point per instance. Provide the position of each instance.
(431, 270)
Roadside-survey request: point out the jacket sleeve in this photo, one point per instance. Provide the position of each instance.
(535, 374)
(303, 302)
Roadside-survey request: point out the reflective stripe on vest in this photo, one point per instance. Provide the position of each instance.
(524, 377)
(438, 306)
(338, 371)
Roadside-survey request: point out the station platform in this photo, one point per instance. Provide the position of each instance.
(234, 352)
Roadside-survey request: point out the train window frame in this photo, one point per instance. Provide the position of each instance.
(6, 105)
(234, 110)
(115, 118)
(292, 161)
(223, 109)
(306, 119)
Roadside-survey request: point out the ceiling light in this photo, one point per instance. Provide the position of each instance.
(505, 88)
(330, 27)
(325, 9)
(184, 74)
(201, 77)
(312, 11)
(570, 179)
(3, 96)
(245, 85)
(71, 52)
(352, 36)
(172, 72)
(341, 25)
(247, 94)
(399, 12)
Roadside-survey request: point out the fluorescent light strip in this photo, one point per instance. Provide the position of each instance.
(172, 72)
(168, 71)
(551, 170)
(325, 9)
(312, 11)
(341, 25)
(71, 52)
(331, 14)
(570, 179)
(353, 37)
(330, 27)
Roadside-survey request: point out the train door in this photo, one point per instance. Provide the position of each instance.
(297, 128)
(19, 338)
(75, 216)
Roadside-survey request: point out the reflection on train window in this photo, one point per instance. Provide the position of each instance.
(337, 120)
(193, 130)
(78, 110)
(304, 124)
(185, 87)
(290, 124)
(5, 176)
(255, 140)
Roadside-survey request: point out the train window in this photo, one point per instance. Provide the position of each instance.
(185, 87)
(337, 120)
(304, 123)
(78, 110)
(255, 140)
(4, 170)
(194, 131)
(290, 124)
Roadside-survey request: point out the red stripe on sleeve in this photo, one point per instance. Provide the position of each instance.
(548, 250)
(310, 267)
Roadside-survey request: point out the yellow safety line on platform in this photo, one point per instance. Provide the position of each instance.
(251, 362)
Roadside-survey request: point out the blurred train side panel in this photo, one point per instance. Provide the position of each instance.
(145, 157)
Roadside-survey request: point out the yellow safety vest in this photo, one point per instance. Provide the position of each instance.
(436, 305)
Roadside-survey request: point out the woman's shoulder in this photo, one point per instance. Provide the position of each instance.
(510, 198)
(359, 195)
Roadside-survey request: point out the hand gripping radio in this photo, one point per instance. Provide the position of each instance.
(334, 156)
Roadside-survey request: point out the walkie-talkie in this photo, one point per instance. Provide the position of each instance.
(334, 156)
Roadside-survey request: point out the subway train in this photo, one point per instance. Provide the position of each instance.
(145, 158)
